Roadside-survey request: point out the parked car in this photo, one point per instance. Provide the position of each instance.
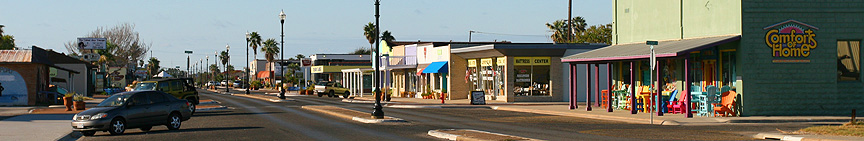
(212, 83)
(224, 83)
(136, 109)
(180, 88)
(331, 89)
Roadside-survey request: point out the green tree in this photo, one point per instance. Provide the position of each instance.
(224, 58)
(361, 51)
(153, 66)
(214, 68)
(254, 42)
(561, 31)
(371, 36)
(597, 34)
(230, 68)
(7, 42)
(299, 57)
(270, 50)
(387, 37)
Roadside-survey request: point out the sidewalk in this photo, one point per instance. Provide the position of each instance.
(562, 109)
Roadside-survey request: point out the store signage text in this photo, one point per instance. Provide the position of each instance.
(527, 61)
(789, 39)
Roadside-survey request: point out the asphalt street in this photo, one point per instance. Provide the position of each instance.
(254, 119)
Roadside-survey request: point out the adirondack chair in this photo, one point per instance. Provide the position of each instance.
(675, 106)
(640, 103)
(707, 106)
(604, 98)
(697, 97)
(647, 101)
(726, 105)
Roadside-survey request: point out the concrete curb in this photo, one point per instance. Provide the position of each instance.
(211, 102)
(769, 136)
(591, 116)
(439, 134)
(211, 109)
(438, 106)
(349, 100)
(388, 119)
(265, 99)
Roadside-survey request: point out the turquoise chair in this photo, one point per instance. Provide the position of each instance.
(706, 108)
(697, 98)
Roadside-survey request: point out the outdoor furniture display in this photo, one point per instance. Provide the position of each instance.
(697, 97)
(706, 107)
(645, 95)
(604, 96)
(622, 99)
(675, 106)
(726, 105)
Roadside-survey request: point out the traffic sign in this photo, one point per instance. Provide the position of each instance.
(651, 43)
(188, 52)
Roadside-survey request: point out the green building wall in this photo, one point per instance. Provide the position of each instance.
(799, 88)
(642, 20)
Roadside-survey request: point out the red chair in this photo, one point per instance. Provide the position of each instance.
(605, 98)
(675, 106)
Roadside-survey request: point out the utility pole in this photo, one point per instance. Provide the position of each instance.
(569, 20)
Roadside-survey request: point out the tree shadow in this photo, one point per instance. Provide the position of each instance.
(228, 114)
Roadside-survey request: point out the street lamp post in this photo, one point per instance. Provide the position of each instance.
(282, 52)
(247, 60)
(227, 62)
(215, 62)
(378, 111)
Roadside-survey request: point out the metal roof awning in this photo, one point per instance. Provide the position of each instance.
(665, 49)
(436, 67)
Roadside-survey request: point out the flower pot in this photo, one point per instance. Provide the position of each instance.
(67, 101)
(302, 92)
(79, 105)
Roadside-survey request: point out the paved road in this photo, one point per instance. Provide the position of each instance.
(253, 119)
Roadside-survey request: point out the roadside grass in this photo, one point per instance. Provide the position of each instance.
(848, 129)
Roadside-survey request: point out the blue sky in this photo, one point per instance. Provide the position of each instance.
(312, 26)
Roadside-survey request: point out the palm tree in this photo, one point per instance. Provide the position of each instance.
(254, 42)
(153, 66)
(270, 50)
(369, 32)
(561, 30)
(387, 37)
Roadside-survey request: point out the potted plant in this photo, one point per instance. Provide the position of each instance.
(412, 94)
(67, 101)
(78, 102)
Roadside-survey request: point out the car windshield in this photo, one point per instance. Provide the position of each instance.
(145, 86)
(323, 83)
(114, 100)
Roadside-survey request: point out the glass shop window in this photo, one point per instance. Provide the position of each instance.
(848, 60)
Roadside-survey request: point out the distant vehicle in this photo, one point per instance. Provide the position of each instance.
(240, 84)
(136, 109)
(224, 83)
(331, 89)
(212, 83)
(178, 87)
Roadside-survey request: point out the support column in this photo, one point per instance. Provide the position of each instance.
(572, 87)
(686, 88)
(597, 85)
(659, 89)
(632, 91)
(609, 88)
(588, 87)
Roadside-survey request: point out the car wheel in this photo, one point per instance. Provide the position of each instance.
(192, 106)
(88, 133)
(346, 94)
(174, 121)
(331, 94)
(118, 126)
(146, 128)
(320, 94)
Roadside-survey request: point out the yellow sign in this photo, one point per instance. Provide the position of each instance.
(472, 63)
(501, 61)
(317, 69)
(486, 62)
(791, 40)
(540, 61)
(527, 61)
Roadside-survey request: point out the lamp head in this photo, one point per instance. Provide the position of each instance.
(282, 16)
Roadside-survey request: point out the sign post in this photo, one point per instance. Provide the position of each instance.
(651, 88)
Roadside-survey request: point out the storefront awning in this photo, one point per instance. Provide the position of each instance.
(436, 67)
(669, 48)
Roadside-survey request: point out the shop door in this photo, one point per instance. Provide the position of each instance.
(709, 72)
